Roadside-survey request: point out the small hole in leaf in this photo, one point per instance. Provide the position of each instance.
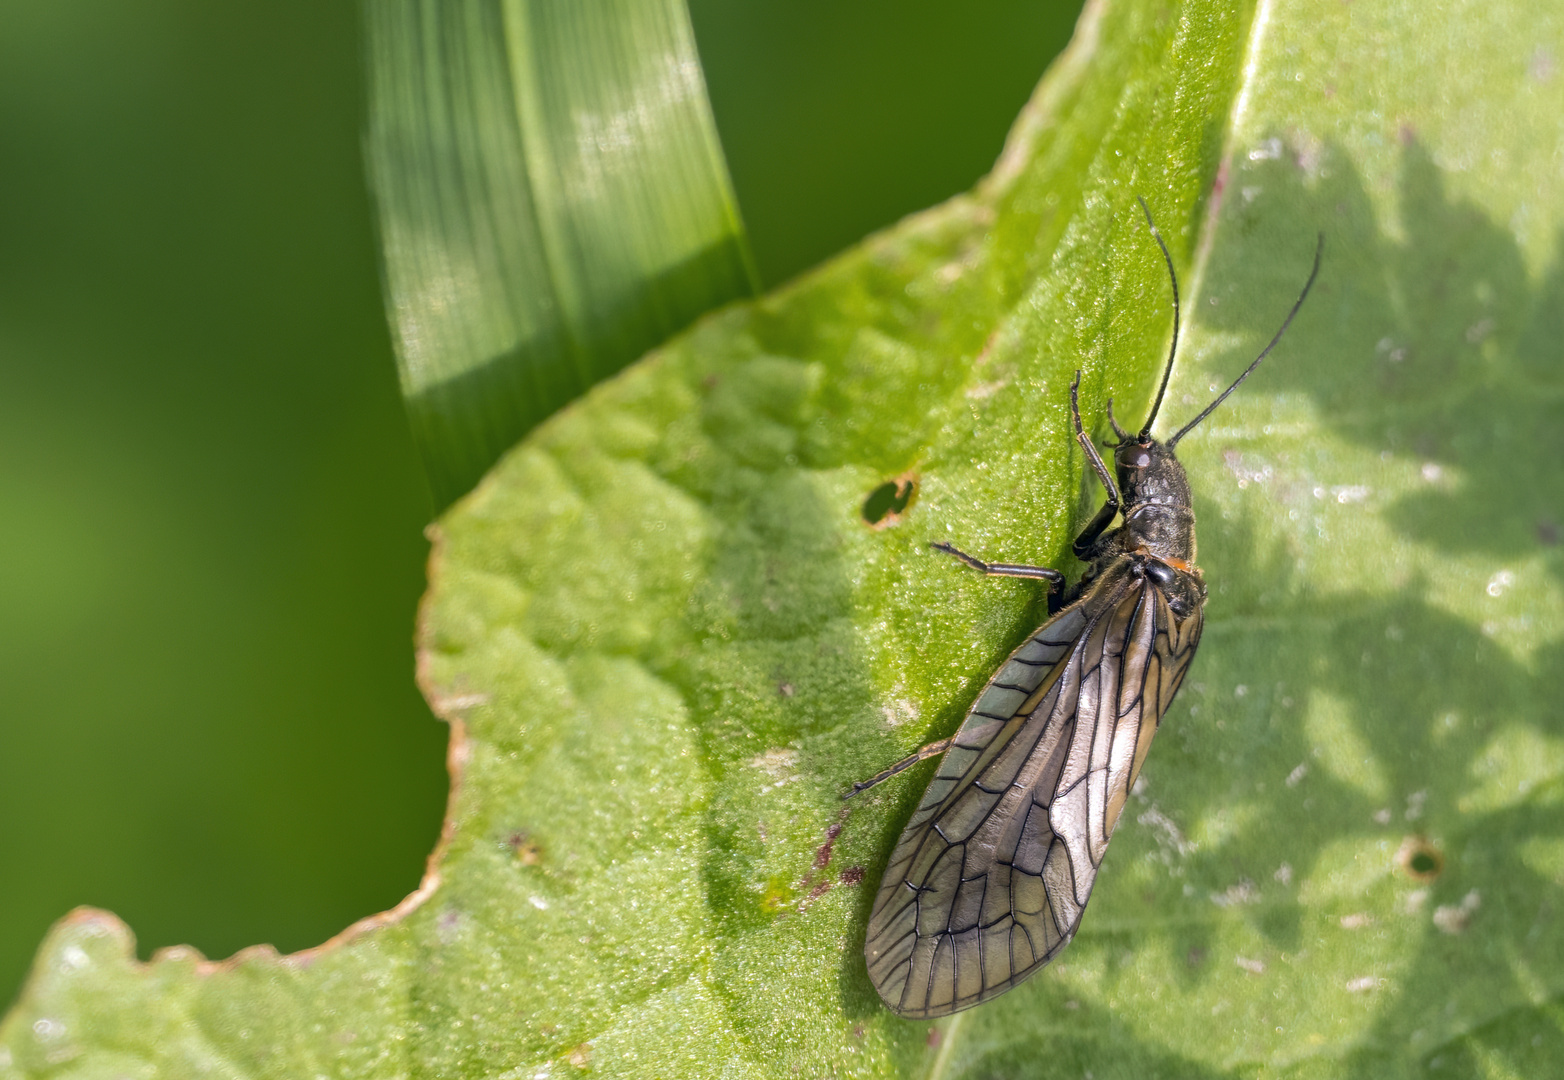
(528, 851)
(886, 503)
(1420, 859)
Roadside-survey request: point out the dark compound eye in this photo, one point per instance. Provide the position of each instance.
(1134, 456)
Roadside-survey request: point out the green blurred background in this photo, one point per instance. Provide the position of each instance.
(212, 547)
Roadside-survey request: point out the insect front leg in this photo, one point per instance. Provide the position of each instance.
(1113, 422)
(1104, 517)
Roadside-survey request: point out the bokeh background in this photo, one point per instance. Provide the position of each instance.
(212, 550)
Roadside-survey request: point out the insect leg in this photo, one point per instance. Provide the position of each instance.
(1113, 422)
(1104, 517)
(933, 749)
(1002, 569)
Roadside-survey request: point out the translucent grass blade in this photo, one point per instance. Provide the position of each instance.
(552, 199)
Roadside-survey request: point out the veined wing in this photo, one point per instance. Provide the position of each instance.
(991, 874)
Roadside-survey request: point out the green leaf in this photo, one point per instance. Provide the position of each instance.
(553, 202)
(668, 641)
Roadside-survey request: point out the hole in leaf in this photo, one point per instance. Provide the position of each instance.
(1420, 859)
(887, 503)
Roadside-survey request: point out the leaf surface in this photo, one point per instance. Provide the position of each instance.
(668, 641)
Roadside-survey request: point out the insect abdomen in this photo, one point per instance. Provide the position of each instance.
(992, 873)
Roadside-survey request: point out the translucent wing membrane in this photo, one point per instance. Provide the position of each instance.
(990, 877)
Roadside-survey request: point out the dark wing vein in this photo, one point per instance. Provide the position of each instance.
(989, 878)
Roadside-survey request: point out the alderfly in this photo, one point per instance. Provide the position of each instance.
(990, 877)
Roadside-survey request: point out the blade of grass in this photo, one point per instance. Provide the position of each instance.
(552, 200)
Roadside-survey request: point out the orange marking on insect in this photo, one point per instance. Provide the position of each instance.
(1177, 564)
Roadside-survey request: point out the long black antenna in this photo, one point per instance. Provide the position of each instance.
(1319, 247)
(1172, 349)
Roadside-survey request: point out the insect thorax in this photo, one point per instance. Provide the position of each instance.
(1167, 532)
(1157, 536)
(1158, 508)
